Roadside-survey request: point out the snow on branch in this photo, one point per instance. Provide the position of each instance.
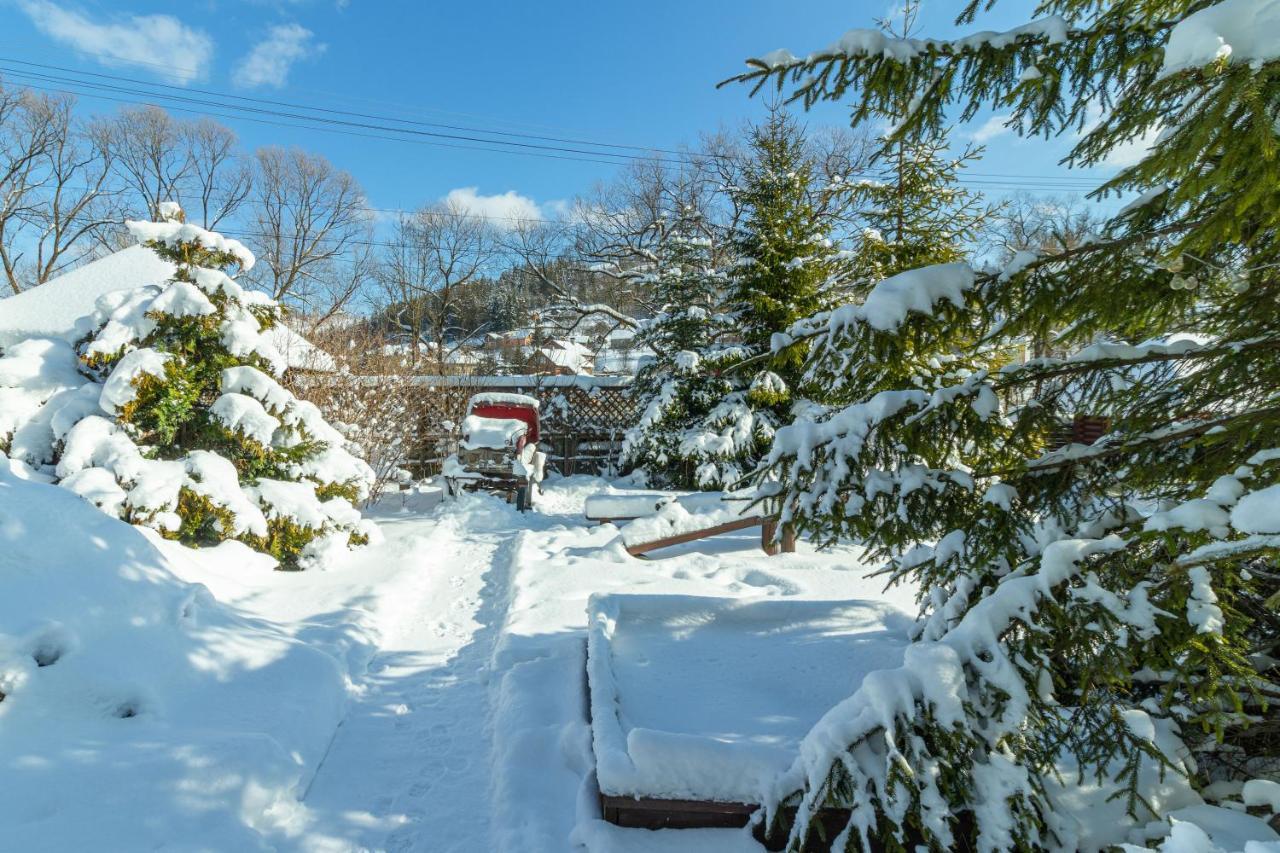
(937, 685)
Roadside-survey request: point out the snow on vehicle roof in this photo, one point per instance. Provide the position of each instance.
(60, 308)
(498, 398)
(491, 433)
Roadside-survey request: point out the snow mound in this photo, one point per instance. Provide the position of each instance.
(709, 698)
(137, 711)
(624, 506)
(1211, 829)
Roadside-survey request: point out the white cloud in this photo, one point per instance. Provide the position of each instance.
(503, 208)
(270, 60)
(160, 43)
(993, 127)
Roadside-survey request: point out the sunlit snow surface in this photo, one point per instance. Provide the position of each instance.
(424, 694)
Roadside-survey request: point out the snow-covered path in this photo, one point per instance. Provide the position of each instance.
(409, 767)
(463, 635)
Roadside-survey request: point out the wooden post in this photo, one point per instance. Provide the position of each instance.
(768, 533)
(788, 538)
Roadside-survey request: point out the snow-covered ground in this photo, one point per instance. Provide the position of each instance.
(424, 694)
(427, 693)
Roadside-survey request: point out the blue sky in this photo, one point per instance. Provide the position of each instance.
(632, 73)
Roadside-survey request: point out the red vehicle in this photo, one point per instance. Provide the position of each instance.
(498, 449)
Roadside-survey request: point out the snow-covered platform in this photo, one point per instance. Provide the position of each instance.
(704, 700)
(605, 508)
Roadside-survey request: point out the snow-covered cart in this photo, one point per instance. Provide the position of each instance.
(498, 450)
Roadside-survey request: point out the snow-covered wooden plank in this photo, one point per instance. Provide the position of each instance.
(603, 507)
(701, 516)
(695, 534)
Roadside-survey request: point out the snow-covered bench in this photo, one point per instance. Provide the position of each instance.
(604, 509)
(698, 703)
(700, 516)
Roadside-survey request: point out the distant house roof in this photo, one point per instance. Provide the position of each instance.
(568, 355)
(60, 308)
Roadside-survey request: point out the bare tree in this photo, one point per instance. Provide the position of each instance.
(433, 256)
(151, 156)
(56, 200)
(313, 230)
(596, 265)
(23, 141)
(548, 263)
(1041, 224)
(221, 178)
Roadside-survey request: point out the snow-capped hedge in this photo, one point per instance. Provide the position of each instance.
(169, 414)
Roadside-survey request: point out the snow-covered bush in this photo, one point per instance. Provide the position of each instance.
(170, 414)
(1108, 608)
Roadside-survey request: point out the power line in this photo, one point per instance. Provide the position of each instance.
(349, 113)
(328, 121)
(1026, 182)
(321, 129)
(1001, 180)
(418, 108)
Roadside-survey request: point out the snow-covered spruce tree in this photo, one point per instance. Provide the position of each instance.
(915, 214)
(690, 433)
(915, 211)
(182, 425)
(785, 258)
(716, 393)
(1091, 613)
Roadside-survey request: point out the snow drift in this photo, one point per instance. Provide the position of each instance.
(137, 711)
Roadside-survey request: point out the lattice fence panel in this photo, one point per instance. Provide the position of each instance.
(582, 423)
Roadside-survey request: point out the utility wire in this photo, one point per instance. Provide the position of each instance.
(1023, 182)
(335, 96)
(979, 178)
(348, 113)
(321, 129)
(324, 120)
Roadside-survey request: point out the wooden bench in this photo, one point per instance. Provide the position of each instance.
(768, 525)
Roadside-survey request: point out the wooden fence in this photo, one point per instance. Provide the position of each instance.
(583, 418)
